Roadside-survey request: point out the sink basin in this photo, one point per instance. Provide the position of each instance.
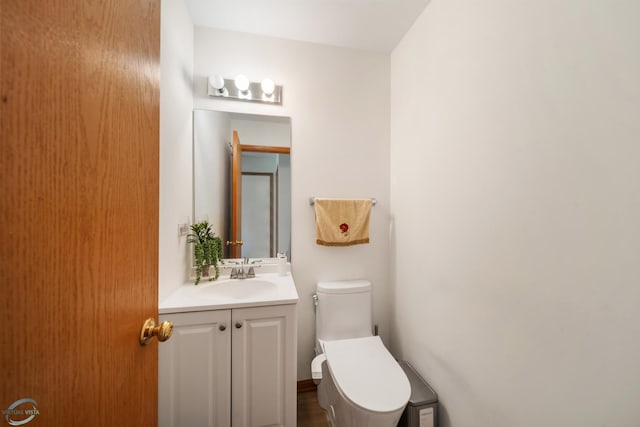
(263, 290)
(236, 289)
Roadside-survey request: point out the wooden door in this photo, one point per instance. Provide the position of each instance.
(263, 368)
(195, 370)
(79, 129)
(236, 198)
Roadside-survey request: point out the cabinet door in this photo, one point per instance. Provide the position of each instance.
(194, 370)
(264, 366)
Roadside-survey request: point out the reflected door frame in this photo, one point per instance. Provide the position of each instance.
(236, 197)
(236, 187)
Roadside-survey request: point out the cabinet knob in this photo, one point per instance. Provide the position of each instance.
(222, 327)
(238, 325)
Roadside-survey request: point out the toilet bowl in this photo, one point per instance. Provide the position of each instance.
(360, 383)
(366, 386)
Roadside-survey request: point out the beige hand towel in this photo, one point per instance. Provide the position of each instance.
(342, 222)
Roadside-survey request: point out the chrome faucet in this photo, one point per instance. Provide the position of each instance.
(239, 272)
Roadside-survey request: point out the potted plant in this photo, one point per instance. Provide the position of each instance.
(207, 250)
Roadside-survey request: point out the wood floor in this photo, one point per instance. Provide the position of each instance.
(310, 414)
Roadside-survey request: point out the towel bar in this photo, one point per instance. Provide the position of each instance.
(312, 201)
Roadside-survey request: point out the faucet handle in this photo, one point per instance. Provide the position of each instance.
(251, 272)
(234, 273)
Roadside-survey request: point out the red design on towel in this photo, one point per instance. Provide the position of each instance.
(344, 227)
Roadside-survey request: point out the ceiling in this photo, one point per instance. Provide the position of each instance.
(373, 25)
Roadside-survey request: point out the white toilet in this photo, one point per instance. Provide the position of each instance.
(360, 383)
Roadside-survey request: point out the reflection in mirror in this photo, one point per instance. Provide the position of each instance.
(247, 198)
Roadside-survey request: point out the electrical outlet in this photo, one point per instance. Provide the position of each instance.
(183, 229)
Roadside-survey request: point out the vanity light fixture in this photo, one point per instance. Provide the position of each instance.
(242, 89)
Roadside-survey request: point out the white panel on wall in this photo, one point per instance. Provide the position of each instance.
(515, 190)
(176, 104)
(212, 169)
(284, 198)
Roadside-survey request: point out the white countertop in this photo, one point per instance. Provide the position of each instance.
(265, 289)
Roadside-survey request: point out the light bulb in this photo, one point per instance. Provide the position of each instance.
(242, 83)
(268, 86)
(217, 82)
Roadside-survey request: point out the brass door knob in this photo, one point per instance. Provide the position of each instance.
(149, 330)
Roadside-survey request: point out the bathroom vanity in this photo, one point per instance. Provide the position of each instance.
(231, 360)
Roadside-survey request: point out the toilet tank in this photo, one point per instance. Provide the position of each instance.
(343, 310)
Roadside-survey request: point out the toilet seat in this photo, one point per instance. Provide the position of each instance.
(366, 374)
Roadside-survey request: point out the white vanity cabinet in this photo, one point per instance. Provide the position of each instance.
(233, 367)
(194, 375)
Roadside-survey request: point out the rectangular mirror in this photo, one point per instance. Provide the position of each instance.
(242, 181)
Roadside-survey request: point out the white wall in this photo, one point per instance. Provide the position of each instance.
(515, 187)
(284, 197)
(338, 101)
(176, 104)
(211, 169)
(262, 130)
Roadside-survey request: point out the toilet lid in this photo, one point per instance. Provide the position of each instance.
(367, 374)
